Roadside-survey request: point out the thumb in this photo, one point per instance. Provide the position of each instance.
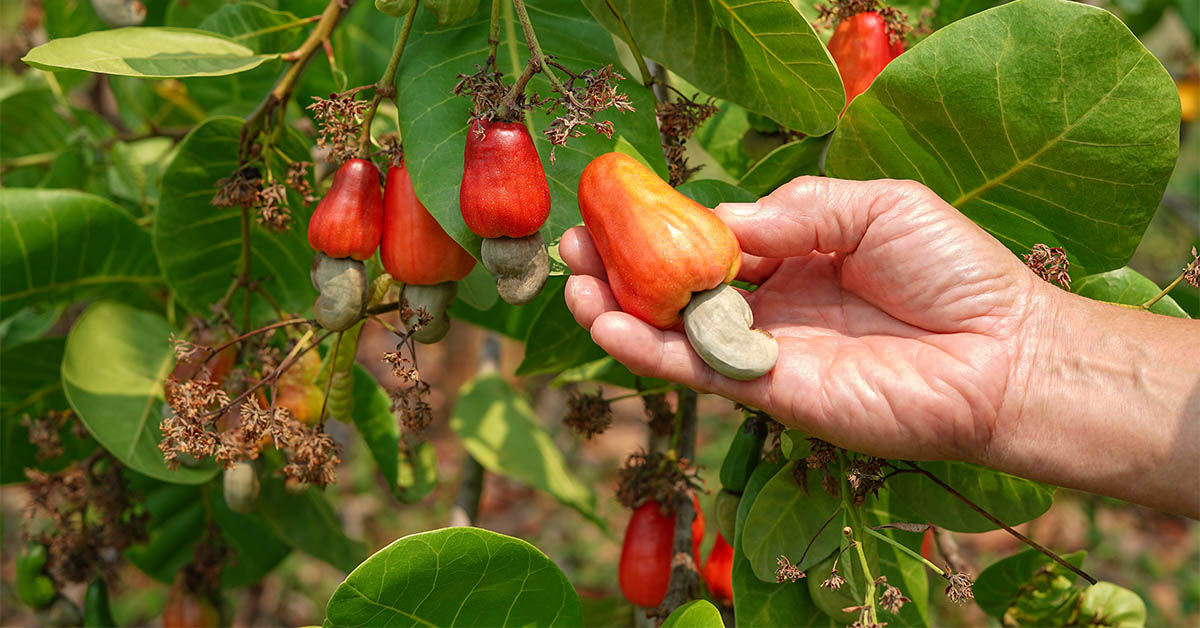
(819, 214)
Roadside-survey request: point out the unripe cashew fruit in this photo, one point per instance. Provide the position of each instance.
(726, 512)
(521, 266)
(662, 251)
(343, 285)
(96, 611)
(348, 222)
(434, 300)
(241, 487)
(504, 190)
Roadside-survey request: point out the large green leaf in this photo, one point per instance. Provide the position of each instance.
(786, 520)
(1002, 582)
(510, 320)
(695, 614)
(146, 52)
(32, 385)
(1045, 121)
(308, 522)
(555, 341)
(61, 245)
(500, 430)
(1126, 285)
(782, 165)
(767, 604)
(710, 192)
(1106, 604)
(199, 246)
(761, 54)
(1013, 500)
(410, 470)
(113, 369)
(434, 122)
(902, 570)
(949, 11)
(259, 28)
(456, 577)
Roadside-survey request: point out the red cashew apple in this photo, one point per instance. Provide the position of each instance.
(504, 198)
(861, 47)
(665, 254)
(348, 222)
(718, 571)
(644, 570)
(417, 252)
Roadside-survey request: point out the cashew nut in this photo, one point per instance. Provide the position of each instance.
(241, 487)
(521, 266)
(434, 300)
(718, 325)
(343, 285)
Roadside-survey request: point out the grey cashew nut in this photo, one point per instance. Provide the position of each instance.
(241, 487)
(719, 323)
(343, 285)
(434, 300)
(521, 266)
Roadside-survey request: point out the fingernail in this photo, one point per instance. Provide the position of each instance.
(742, 210)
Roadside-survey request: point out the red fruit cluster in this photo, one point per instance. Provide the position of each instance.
(415, 249)
(718, 571)
(504, 191)
(645, 567)
(348, 222)
(861, 47)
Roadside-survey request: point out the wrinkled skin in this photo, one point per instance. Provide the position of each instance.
(882, 349)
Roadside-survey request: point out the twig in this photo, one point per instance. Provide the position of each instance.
(386, 85)
(466, 505)
(1007, 528)
(685, 580)
(494, 34)
(647, 77)
(535, 52)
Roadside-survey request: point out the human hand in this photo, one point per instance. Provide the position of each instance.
(902, 325)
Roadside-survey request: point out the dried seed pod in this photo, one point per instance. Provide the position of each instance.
(521, 266)
(343, 285)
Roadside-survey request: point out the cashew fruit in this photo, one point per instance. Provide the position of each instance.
(348, 222)
(415, 249)
(718, 571)
(343, 285)
(644, 570)
(504, 190)
(657, 245)
(861, 47)
(34, 587)
(241, 487)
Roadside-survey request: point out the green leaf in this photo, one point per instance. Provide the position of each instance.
(1106, 604)
(478, 289)
(710, 192)
(32, 126)
(456, 577)
(1013, 500)
(146, 52)
(761, 54)
(136, 171)
(902, 570)
(394, 8)
(1045, 121)
(721, 137)
(556, 341)
(177, 523)
(949, 11)
(1125, 285)
(510, 320)
(451, 12)
(113, 369)
(1002, 582)
(609, 371)
(434, 123)
(308, 523)
(199, 246)
(255, 26)
(767, 604)
(783, 521)
(418, 474)
(28, 324)
(500, 430)
(695, 614)
(32, 385)
(782, 165)
(62, 245)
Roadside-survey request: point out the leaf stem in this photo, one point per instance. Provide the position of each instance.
(647, 77)
(900, 546)
(1156, 298)
(869, 595)
(387, 83)
(643, 393)
(333, 355)
(536, 54)
(494, 34)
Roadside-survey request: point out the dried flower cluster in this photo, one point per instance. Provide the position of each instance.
(659, 415)
(653, 476)
(1191, 274)
(891, 600)
(486, 90)
(239, 189)
(787, 571)
(588, 94)
(865, 476)
(835, 580)
(44, 431)
(409, 398)
(960, 586)
(897, 22)
(588, 415)
(246, 188)
(339, 121)
(85, 518)
(677, 121)
(1050, 264)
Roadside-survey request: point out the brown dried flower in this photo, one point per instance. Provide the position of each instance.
(959, 588)
(787, 571)
(1050, 264)
(677, 121)
(865, 478)
(821, 453)
(43, 432)
(338, 124)
(834, 581)
(1191, 274)
(659, 415)
(273, 212)
(891, 600)
(297, 179)
(588, 93)
(653, 476)
(239, 189)
(588, 415)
